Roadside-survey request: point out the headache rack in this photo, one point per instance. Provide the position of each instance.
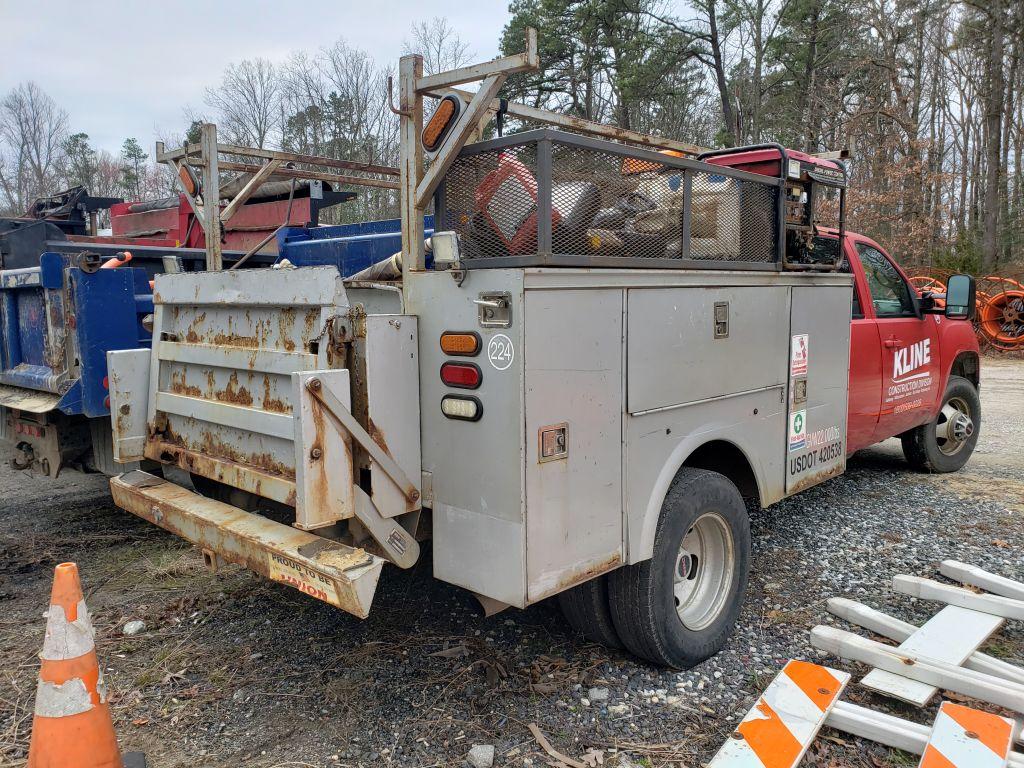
(551, 198)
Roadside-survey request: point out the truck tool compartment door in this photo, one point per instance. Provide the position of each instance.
(573, 436)
(818, 380)
(908, 346)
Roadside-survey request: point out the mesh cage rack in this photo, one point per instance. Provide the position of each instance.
(550, 198)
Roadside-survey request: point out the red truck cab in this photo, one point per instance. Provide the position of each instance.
(914, 366)
(913, 371)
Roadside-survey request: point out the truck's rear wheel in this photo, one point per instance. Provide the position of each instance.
(585, 607)
(679, 607)
(947, 442)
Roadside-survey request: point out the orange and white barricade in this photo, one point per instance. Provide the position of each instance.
(780, 727)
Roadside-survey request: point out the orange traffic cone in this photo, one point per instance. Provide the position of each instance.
(72, 727)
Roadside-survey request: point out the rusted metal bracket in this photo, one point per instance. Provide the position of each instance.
(391, 100)
(340, 414)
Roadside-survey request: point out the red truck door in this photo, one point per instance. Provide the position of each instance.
(865, 397)
(909, 345)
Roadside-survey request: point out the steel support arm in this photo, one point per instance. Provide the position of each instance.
(521, 62)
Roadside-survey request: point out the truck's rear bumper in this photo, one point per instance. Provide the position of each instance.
(325, 569)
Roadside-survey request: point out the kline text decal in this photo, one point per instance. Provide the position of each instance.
(910, 374)
(909, 359)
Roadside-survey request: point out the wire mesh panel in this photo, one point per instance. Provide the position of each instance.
(547, 197)
(490, 199)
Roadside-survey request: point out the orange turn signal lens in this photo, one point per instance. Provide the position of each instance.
(464, 343)
(441, 122)
(188, 179)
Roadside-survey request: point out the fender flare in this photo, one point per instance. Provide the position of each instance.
(641, 547)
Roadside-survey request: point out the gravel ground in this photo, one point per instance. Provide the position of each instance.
(234, 670)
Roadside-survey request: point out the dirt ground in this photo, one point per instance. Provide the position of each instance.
(233, 670)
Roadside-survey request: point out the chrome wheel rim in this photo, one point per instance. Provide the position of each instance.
(703, 573)
(954, 426)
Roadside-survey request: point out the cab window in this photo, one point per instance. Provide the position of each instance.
(890, 294)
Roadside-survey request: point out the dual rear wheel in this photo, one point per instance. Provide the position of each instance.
(679, 607)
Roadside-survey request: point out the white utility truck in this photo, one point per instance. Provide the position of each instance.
(604, 347)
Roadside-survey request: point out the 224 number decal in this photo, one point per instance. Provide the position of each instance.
(500, 352)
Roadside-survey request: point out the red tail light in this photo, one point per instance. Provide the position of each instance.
(462, 375)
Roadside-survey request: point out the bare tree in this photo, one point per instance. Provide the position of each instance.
(33, 131)
(247, 103)
(439, 45)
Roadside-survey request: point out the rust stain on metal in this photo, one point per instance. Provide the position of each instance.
(121, 423)
(236, 475)
(813, 479)
(193, 335)
(54, 350)
(233, 392)
(285, 327)
(180, 386)
(235, 340)
(211, 445)
(271, 403)
(309, 329)
(378, 436)
(592, 570)
(318, 485)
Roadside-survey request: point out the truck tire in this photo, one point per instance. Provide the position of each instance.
(679, 607)
(218, 491)
(585, 607)
(947, 442)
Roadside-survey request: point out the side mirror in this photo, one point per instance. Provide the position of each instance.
(960, 297)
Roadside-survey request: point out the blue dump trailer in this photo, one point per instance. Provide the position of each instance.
(60, 318)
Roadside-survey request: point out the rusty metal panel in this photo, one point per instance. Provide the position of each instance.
(128, 374)
(323, 454)
(254, 287)
(343, 576)
(226, 345)
(392, 384)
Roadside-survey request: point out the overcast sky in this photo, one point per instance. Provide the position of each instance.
(129, 68)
